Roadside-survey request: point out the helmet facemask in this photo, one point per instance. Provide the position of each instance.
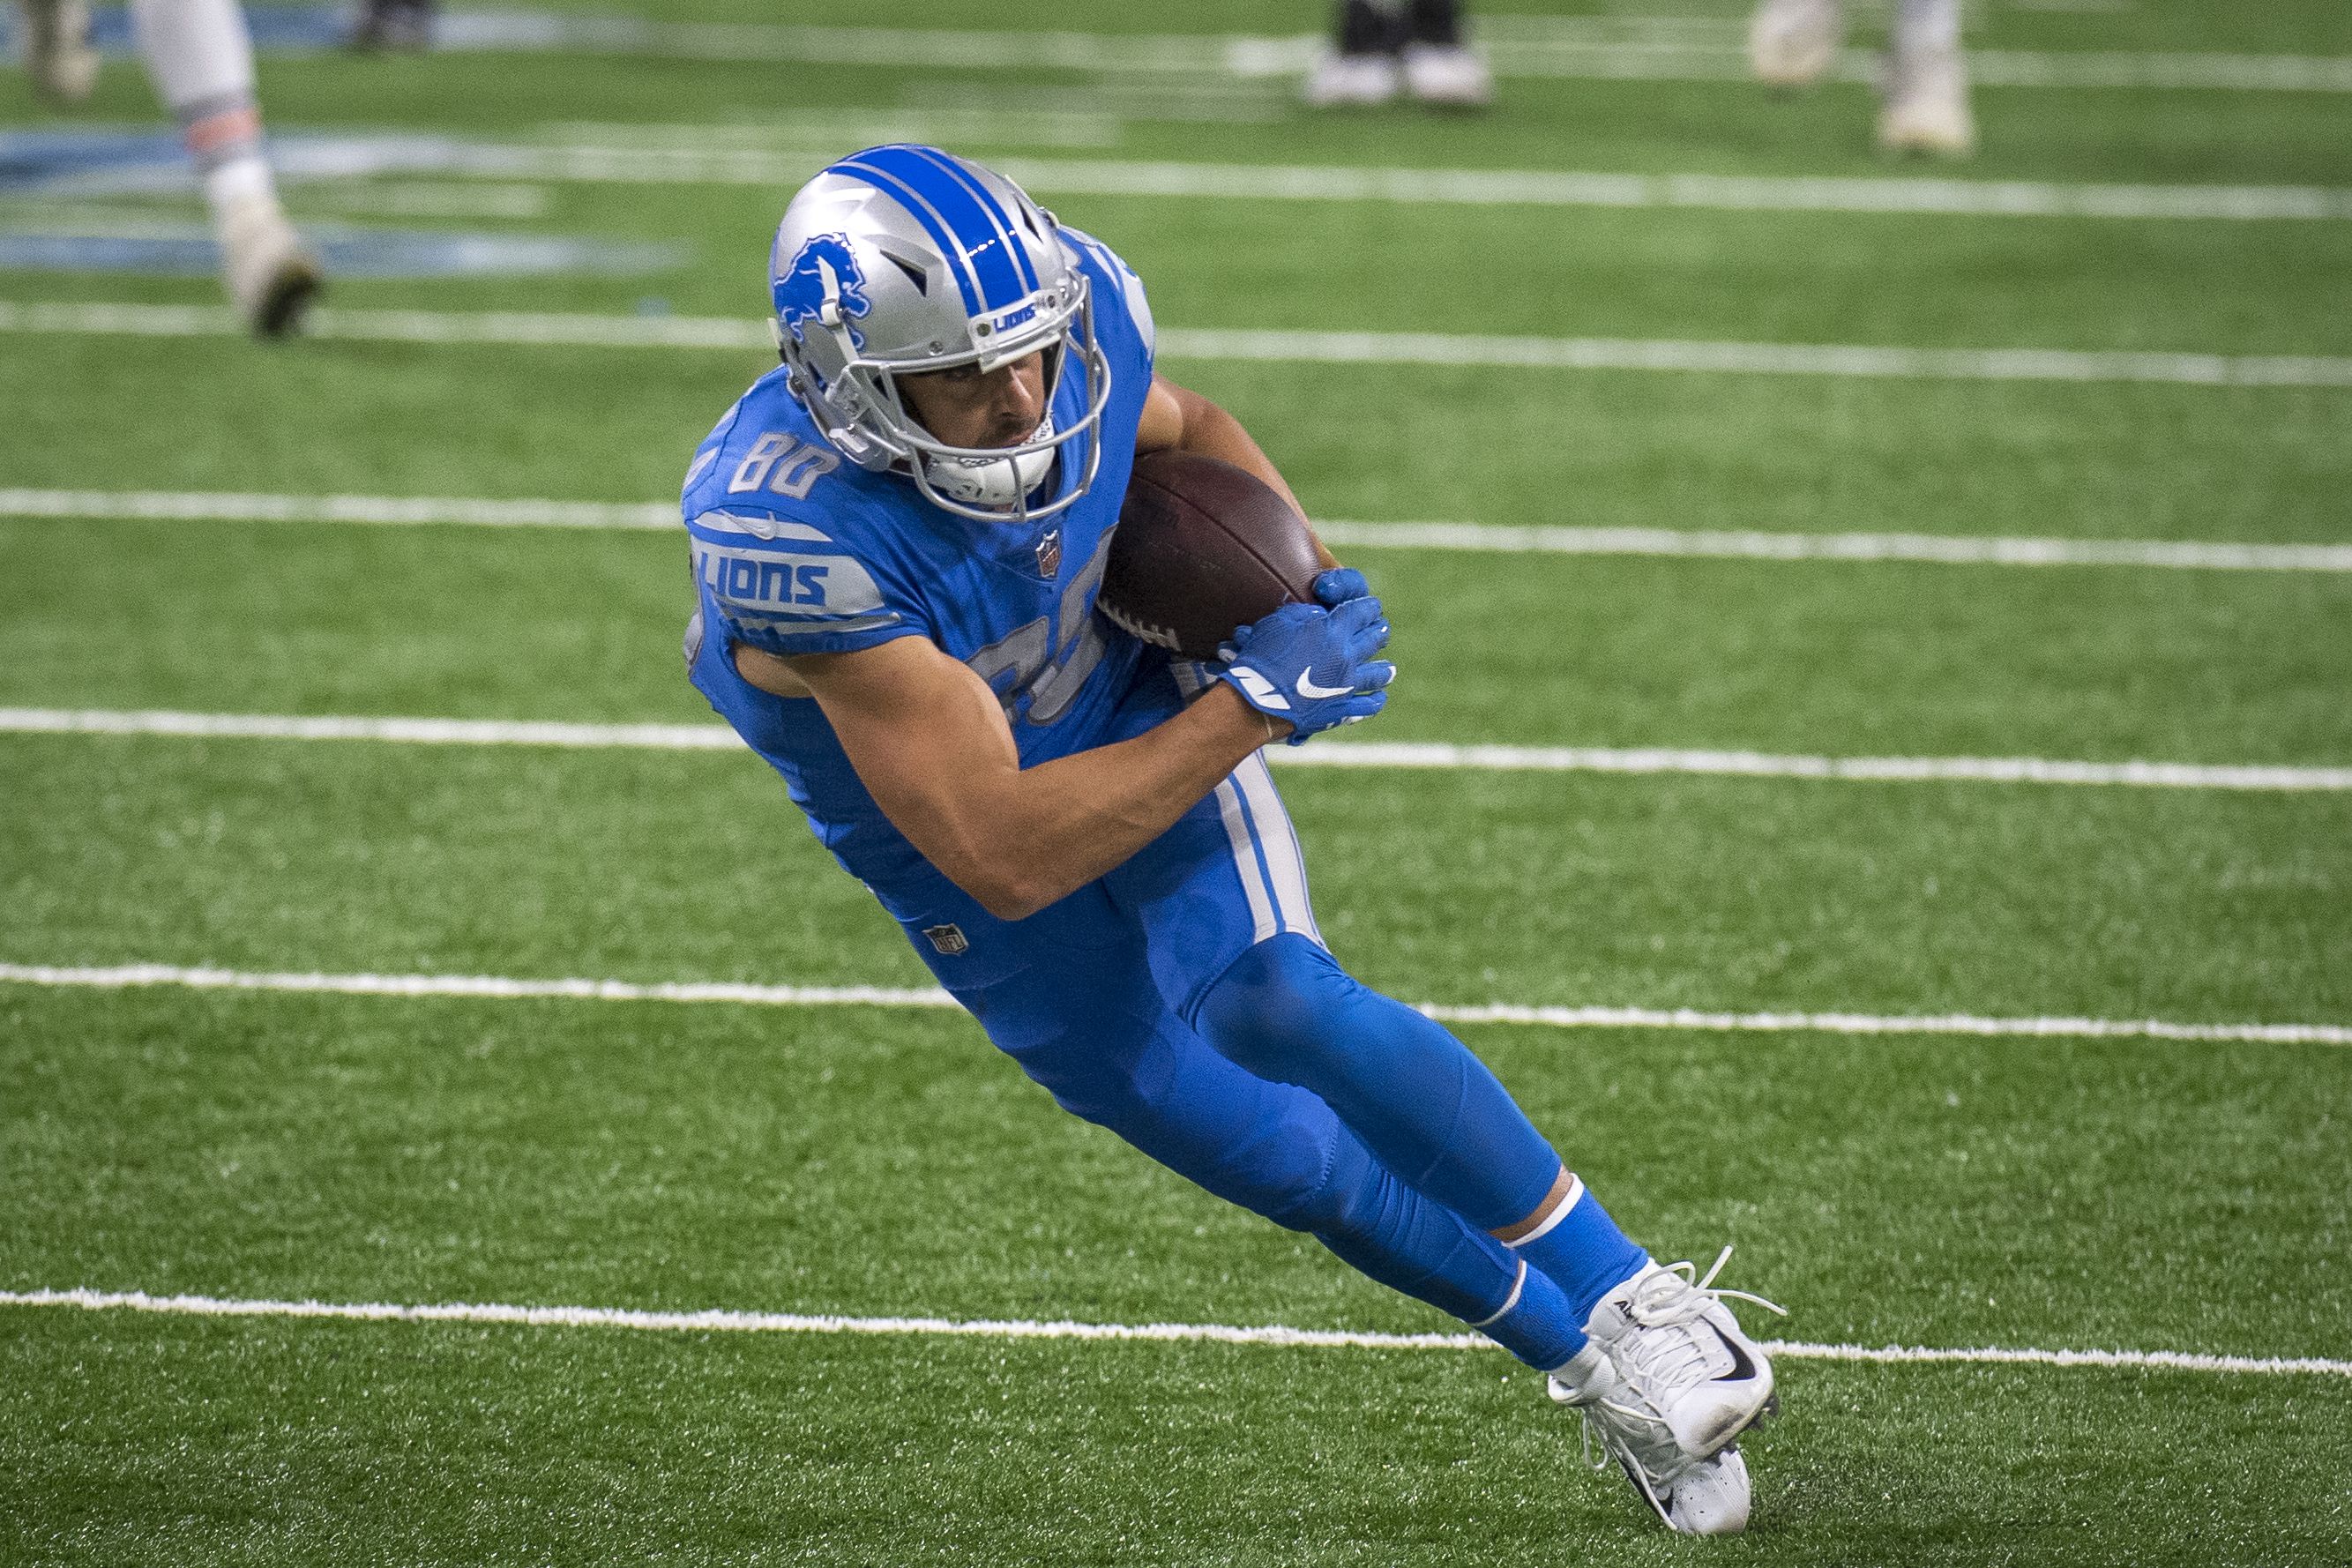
(994, 484)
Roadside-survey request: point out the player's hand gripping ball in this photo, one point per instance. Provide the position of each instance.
(1312, 666)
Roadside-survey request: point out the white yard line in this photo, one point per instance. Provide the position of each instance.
(671, 156)
(417, 731)
(1561, 188)
(724, 1321)
(219, 505)
(1745, 544)
(498, 327)
(1428, 754)
(131, 977)
(1755, 359)
(723, 155)
(1765, 765)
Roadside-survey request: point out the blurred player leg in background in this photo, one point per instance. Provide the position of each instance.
(1441, 69)
(1922, 81)
(1793, 43)
(1413, 45)
(58, 55)
(1361, 66)
(201, 59)
(402, 25)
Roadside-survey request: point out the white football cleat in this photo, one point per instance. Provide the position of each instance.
(1677, 1346)
(1448, 76)
(1712, 1497)
(271, 275)
(1352, 82)
(58, 55)
(1925, 107)
(1793, 43)
(1689, 1497)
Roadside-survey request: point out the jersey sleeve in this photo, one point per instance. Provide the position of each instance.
(1130, 297)
(787, 585)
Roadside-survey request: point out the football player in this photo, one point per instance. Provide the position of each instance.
(1922, 81)
(200, 55)
(1378, 46)
(898, 537)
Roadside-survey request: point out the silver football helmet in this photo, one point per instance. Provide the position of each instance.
(905, 258)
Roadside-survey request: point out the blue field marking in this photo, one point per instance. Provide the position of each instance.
(90, 162)
(188, 251)
(119, 160)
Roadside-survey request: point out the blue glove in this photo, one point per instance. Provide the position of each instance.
(1336, 587)
(1312, 666)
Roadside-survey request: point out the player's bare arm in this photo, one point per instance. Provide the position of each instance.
(930, 741)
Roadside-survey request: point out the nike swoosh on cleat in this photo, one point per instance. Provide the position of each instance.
(1742, 1369)
(1658, 1505)
(1309, 690)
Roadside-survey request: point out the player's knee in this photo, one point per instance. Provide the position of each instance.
(1320, 1194)
(1282, 1011)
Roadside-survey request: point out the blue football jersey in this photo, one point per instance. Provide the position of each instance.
(797, 551)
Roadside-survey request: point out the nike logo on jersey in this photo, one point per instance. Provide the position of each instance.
(1309, 690)
(1260, 690)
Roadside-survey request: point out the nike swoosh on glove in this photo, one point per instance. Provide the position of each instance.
(1311, 666)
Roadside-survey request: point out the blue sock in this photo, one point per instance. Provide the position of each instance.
(1412, 1244)
(1538, 1323)
(1582, 1252)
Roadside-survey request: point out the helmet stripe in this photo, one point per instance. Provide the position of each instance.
(959, 262)
(964, 176)
(985, 246)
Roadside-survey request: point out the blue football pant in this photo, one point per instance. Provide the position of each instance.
(1094, 1032)
(1186, 1002)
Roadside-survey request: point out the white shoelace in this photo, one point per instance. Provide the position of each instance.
(1670, 1298)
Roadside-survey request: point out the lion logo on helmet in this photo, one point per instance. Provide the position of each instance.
(823, 268)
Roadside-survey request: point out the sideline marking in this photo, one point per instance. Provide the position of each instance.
(720, 1320)
(128, 976)
(1553, 47)
(583, 330)
(1956, 550)
(1331, 754)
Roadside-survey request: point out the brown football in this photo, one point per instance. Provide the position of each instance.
(1202, 547)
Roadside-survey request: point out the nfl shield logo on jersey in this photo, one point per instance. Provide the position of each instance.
(949, 938)
(1049, 553)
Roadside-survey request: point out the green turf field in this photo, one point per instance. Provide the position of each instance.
(2160, 1197)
